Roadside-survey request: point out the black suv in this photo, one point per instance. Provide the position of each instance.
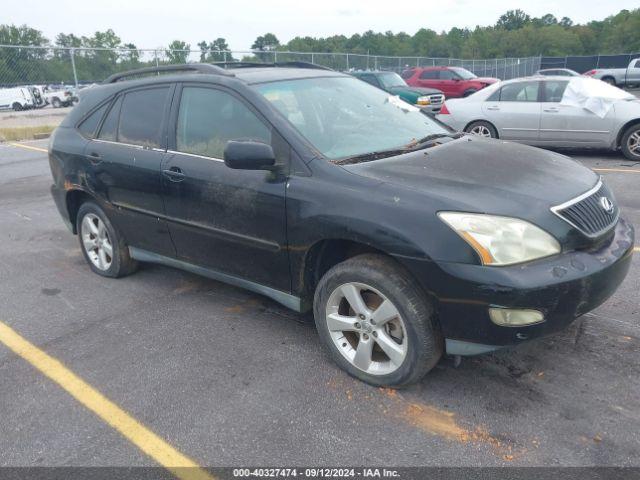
(320, 191)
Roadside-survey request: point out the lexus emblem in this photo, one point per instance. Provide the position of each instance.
(607, 205)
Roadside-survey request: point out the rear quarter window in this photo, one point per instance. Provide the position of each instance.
(90, 124)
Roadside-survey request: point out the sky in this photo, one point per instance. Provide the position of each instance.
(154, 23)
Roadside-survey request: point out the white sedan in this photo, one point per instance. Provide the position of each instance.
(552, 112)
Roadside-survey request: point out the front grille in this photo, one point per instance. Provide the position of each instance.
(436, 99)
(593, 212)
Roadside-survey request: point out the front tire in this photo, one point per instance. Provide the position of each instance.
(630, 143)
(376, 323)
(16, 107)
(103, 247)
(482, 129)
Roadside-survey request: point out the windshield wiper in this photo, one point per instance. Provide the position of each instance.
(418, 144)
(371, 156)
(410, 147)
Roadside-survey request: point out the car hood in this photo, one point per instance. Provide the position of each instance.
(415, 90)
(484, 175)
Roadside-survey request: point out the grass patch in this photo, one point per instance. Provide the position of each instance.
(10, 134)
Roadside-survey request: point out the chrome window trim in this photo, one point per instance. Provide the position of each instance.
(137, 147)
(215, 159)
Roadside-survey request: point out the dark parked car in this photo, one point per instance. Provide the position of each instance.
(311, 187)
(429, 99)
(455, 82)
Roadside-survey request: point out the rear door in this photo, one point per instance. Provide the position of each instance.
(515, 111)
(127, 154)
(567, 125)
(429, 79)
(230, 220)
(633, 72)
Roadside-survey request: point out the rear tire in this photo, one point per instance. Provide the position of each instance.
(103, 247)
(630, 143)
(482, 129)
(406, 327)
(56, 103)
(609, 80)
(469, 92)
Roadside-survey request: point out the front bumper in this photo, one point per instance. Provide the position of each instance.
(562, 287)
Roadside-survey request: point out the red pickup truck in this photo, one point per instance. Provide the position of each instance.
(454, 82)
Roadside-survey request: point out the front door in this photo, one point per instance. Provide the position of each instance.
(230, 220)
(568, 125)
(515, 111)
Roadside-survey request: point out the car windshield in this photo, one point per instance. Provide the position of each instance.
(464, 73)
(391, 79)
(344, 117)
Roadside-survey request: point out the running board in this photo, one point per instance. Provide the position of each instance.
(286, 299)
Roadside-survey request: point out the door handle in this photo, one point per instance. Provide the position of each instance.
(174, 174)
(95, 158)
(494, 108)
(551, 110)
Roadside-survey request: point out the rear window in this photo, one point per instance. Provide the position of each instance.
(407, 74)
(517, 92)
(429, 75)
(90, 124)
(141, 117)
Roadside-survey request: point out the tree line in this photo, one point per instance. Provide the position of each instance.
(515, 34)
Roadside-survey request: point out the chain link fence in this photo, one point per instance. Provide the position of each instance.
(27, 65)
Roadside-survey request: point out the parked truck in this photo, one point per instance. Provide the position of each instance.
(620, 77)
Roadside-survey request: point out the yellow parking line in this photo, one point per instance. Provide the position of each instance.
(628, 170)
(28, 147)
(155, 447)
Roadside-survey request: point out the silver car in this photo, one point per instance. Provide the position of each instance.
(539, 111)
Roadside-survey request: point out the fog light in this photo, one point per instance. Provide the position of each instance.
(510, 317)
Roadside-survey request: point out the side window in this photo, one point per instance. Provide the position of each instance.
(519, 92)
(553, 90)
(209, 118)
(141, 117)
(495, 96)
(371, 79)
(407, 74)
(90, 124)
(447, 75)
(429, 75)
(109, 128)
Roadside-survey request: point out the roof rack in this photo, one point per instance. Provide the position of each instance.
(189, 67)
(271, 64)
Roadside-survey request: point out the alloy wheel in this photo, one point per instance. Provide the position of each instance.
(633, 142)
(481, 131)
(367, 328)
(96, 242)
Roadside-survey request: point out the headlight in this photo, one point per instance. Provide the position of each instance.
(501, 240)
(423, 101)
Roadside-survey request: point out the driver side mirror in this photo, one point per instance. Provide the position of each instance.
(249, 155)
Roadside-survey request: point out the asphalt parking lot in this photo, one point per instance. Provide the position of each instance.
(227, 377)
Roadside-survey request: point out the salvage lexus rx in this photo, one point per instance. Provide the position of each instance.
(407, 239)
